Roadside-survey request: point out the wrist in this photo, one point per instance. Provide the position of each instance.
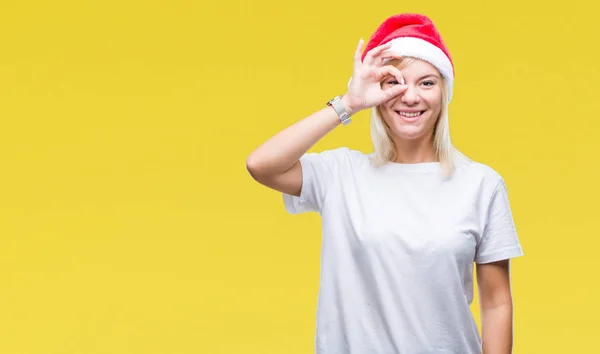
(350, 108)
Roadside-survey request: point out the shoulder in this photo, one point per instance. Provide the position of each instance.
(475, 170)
(341, 156)
(484, 178)
(344, 151)
(484, 186)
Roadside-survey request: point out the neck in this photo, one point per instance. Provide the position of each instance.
(415, 151)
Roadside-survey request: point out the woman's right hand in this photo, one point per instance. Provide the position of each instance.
(365, 89)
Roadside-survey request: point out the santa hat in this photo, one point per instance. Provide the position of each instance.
(414, 35)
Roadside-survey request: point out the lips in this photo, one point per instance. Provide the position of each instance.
(409, 116)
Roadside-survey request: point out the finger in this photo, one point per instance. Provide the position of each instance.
(394, 91)
(358, 51)
(390, 70)
(376, 52)
(394, 71)
(391, 55)
(384, 56)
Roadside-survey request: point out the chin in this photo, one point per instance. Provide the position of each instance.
(408, 131)
(409, 134)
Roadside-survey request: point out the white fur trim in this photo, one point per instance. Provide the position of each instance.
(421, 49)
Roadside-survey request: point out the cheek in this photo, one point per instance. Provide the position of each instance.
(387, 105)
(435, 104)
(386, 115)
(435, 110)
(433, 97)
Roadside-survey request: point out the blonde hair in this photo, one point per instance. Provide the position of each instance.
(383, 143)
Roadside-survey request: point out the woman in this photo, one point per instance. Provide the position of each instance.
(404, 225)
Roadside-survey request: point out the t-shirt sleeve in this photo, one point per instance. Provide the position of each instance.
(499, 240)
(318, 172)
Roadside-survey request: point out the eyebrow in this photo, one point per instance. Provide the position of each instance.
(428, 75)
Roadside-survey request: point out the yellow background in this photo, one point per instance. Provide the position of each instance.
(128, 223)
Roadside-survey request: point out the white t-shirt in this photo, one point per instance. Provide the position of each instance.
(398, 250)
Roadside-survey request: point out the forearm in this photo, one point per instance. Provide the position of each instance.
(497, 329)
(283, 150)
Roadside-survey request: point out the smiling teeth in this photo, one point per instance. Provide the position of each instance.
(409, 115)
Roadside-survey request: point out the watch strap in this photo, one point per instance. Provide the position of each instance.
(339, 108)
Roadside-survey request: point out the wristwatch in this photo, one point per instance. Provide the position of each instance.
(339, 108)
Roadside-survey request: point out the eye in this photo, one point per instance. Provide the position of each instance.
(428, 83)
(392, 82)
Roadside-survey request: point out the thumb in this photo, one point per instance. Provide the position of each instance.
(395, 91)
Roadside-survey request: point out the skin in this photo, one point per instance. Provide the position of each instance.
(496, 305)
(413, 137)
(275, 164)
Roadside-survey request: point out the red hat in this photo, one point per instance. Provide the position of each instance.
(414, 35)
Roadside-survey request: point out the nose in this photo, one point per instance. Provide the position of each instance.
(410, 96)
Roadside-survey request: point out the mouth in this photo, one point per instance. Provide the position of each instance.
(409, 116)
